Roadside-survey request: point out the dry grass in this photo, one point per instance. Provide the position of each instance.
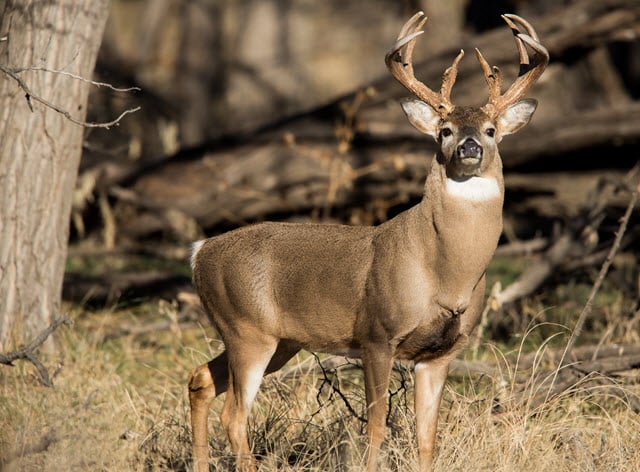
(121, 404)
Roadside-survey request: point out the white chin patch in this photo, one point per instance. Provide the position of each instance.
(474, 188)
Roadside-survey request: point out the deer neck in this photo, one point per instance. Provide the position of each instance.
(458, 224)
(464, 213)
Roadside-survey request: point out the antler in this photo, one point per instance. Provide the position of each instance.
(399, 60)
(530, 69)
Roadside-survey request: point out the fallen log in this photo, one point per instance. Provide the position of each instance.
(132, 287)
(251, 182)
(295, 165)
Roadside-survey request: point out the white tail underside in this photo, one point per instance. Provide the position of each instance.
(195, 248)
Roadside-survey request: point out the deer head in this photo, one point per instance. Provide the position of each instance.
(468, 136)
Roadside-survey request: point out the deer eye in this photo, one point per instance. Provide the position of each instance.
(445, 132)
(491, 132)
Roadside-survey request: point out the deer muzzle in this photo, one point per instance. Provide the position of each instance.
(469, 151)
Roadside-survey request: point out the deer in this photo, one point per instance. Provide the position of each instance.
(411, 288)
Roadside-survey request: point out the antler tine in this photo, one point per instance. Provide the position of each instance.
(530, 68)
(449, 77)
(524, 23)
(413, 25)
(399, 60)
(522, 50)
(406, 41)
(493, 77)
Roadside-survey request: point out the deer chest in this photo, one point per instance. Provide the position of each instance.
(431, 339)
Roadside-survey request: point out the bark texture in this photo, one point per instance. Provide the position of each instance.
(40, 151)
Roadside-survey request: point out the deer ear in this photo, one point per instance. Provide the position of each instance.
(516, 116)
(422, 116)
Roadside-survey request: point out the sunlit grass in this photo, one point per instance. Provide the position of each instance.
(121, 404)
(120, 401)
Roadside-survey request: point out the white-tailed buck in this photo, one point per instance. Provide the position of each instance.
(411, 288)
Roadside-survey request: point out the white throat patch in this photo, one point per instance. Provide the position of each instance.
(474, 188)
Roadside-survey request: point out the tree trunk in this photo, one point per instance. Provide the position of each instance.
(40, 151)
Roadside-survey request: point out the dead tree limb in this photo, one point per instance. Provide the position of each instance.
(601, 275)
(109, 288)
(28, 352)
(537, 272)
(559, 382)
(518, 248)
(253, 174)
(570, 243)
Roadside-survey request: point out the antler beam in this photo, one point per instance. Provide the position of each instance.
(530, 68)
(399, 60)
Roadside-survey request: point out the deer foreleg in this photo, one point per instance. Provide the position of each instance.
(430, 379)
(377, 371)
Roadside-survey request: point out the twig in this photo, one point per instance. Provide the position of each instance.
(76, 77)
(345, 400)
(13, 73)
(400, 393)
(27, 352)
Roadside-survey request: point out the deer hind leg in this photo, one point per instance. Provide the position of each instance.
(249, 361)
(205, 382)
(210, 380)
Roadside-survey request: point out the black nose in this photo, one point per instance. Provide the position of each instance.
(469, 148)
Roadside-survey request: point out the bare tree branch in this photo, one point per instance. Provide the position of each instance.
(77, 77)
(13, 73)
(601, 275)
(27, 352)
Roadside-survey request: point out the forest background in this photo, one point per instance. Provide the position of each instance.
(283, 110)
